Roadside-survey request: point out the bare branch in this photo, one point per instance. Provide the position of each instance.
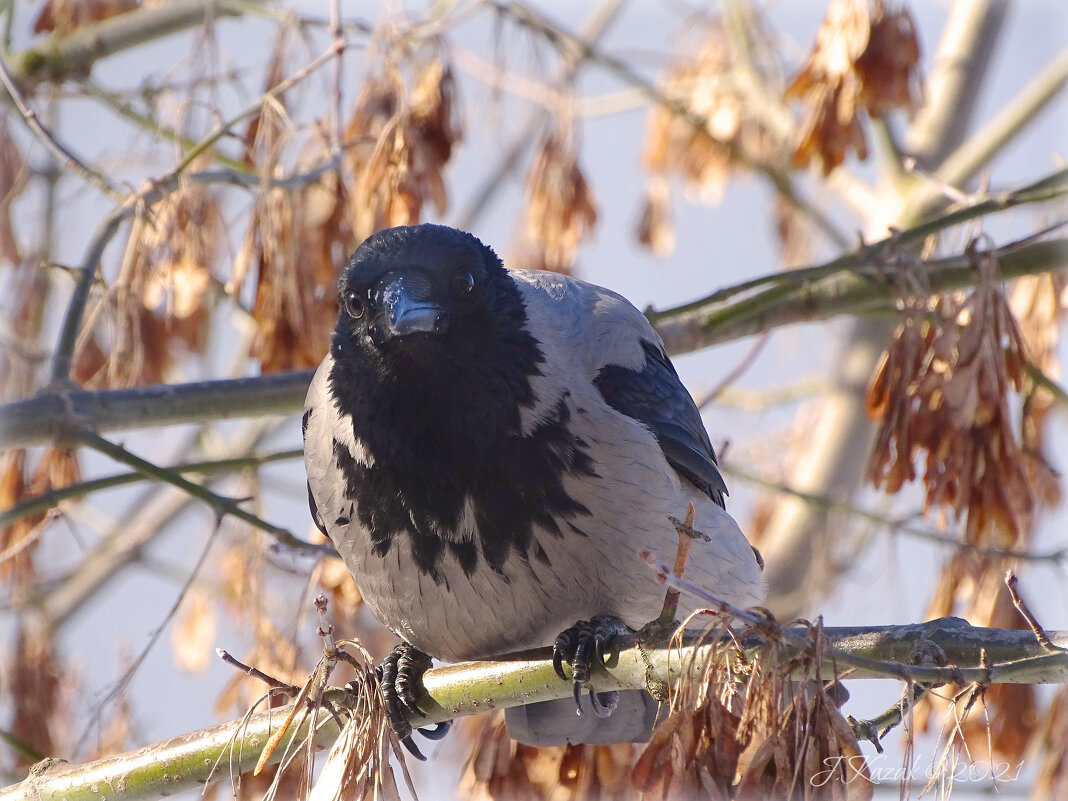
(52, 498)
(960, 69)
(52, 416)
(845, 286)
(75, 54)
(463, 689)
(223, 506)
(60, 152)
(1040, 634)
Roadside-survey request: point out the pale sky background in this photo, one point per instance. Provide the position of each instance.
(716, 246)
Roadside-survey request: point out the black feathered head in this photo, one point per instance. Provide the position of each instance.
(414, 281)
(427, 311)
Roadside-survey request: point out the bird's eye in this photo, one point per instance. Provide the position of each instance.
(354, 304)
(463, 282)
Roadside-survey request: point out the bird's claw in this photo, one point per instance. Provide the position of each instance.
(399, 676)
(588, 640)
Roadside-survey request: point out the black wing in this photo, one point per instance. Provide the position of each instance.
(656, 397)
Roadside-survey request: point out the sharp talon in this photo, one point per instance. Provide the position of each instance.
(413, 749)
(399, 677)
(598, 649)
(604, 709)
(589, 642)
(558, 663)
(437, 732)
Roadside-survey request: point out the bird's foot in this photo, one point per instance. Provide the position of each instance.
(399, 676)
(588, 640)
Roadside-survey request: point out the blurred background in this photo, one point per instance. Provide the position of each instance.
(664, 149)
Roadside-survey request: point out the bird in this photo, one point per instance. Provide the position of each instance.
(489, 449)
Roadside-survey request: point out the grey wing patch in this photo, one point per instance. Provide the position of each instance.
(655, 396)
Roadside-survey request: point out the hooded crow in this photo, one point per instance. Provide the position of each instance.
(489, 449)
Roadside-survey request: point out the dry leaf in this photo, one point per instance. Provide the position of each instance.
(1052, 779)
(65, 16)
(34, 677)
(193, 633)
(501, 769)
(398, 146)
(865, 57)
(942, 389)
(707, 83)
(561, 210)
(655, 230)
(161, 302)
(13, 180)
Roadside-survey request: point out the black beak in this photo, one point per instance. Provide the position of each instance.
(407, 306)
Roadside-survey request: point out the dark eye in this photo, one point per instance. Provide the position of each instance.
(353, 303)
(463, 282)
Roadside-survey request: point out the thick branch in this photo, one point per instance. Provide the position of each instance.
(51, 416)
(457, 690)
(74, 55)
(818, 293)
(860, 292)
(953, 88)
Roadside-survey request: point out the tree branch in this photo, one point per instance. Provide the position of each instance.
(74, 55)
(566, 40)
(966, 160)
(452, 691)
(860, 292)
(54, 497)
(846, 286)
(953, 87)
(221, 505)
(53, 415)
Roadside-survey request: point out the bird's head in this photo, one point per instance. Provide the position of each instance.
(430, 311)
(407, 288)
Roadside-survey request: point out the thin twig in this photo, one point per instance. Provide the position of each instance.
(222, 505)
(894, 525)
(275, 684)
(283, 86)
(59, 151)
(1026, 614)
(118, 104)
(874, 729)
(63, 359)
(555, 33)
(52, 498)
(338, 35)
(122, 544)
(120, 686)
(1025, 106)
(687, 534)
(25, 542)
(508, 159)
(735, 373)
